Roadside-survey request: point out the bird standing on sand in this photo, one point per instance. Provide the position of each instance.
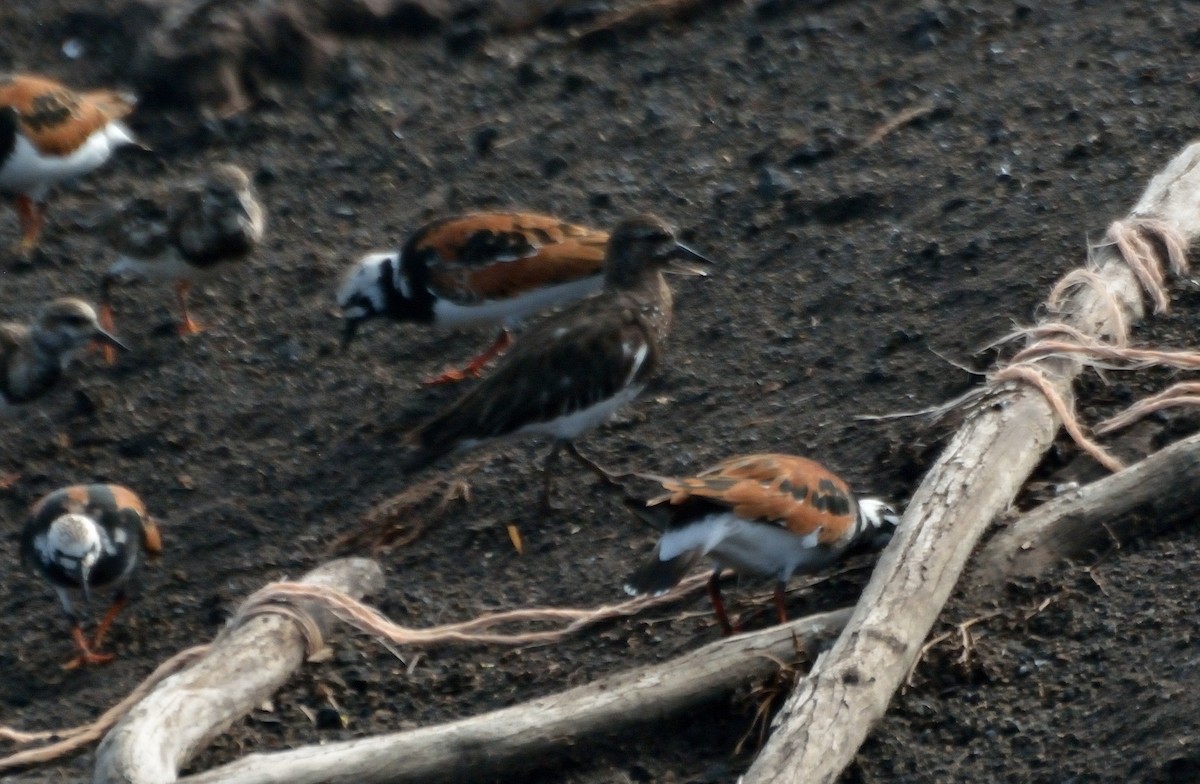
(185, 234)
(85, 537)
(572, 371)
(767, 515)
(479, 268)
(50, 134)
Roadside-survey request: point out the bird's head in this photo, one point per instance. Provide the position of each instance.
(64, 326)
(363, 292)
(73, 541)
(644, 243)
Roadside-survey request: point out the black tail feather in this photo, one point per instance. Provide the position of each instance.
(657, 517)
(658, 576)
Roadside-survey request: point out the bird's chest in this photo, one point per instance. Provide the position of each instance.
(28, 377)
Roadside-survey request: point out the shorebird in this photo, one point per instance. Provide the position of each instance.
(33, 357)
(88, 537)
(50, 134)
(483, 268)
(185, 234)
(767, 515)
(575, 369)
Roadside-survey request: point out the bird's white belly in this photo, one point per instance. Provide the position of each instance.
(32, 173)
(511, 311)
(571, 426)
(168, 265)
(747, 547)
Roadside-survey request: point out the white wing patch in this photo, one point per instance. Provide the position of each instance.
(639, 357)
(512, 311)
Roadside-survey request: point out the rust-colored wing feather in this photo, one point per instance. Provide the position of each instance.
(794, 492)
(57, 119)
(495, 256)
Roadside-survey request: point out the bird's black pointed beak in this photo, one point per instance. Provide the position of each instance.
(106, 338)
(82, 574)
(683, 255)
(349, 330)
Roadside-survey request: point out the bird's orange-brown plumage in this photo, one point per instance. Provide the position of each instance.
(56, 119)
(794, 492)
(500, 255)
(86, 499)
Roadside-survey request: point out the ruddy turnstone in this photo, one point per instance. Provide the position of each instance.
(572, 371)
(88, 537)
(33, 357)
(184, 235)
(767, 515)
(480, 268)
(49, 134)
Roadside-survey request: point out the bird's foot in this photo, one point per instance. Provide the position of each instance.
(452, 376)
(88, 658)
(189, 327)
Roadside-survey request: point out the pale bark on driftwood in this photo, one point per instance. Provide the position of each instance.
(826, 719)
(530, 731)
(1144, 499)
(243, 667)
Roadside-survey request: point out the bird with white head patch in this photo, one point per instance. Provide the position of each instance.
(87, 537)
(573, 371)
(482, 268)
(766, 515)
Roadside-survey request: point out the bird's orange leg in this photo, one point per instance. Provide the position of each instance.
(606, 476)
(86, 655)
(718, 604)
(187, 326)
(476, 365)
(106, 622)
(780, 605)
(106, 321)
(32, 216)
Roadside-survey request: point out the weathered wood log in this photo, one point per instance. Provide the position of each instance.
(244, 666)
(826, 719)
(1148, 497)
(485, 744)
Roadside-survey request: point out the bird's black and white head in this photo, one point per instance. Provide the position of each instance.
(365, 290)
(73, 543)
(65, 326)
(877, 521)
(642, 244)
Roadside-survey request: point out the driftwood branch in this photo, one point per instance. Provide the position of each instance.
(1162, 490)
(489, 743)
(244, 666)
(826, 719)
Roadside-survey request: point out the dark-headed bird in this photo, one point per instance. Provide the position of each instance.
(575, 369)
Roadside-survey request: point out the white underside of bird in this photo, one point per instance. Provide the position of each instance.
(746, 547)
(510, 312)
(30, 172)
(166, 266)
